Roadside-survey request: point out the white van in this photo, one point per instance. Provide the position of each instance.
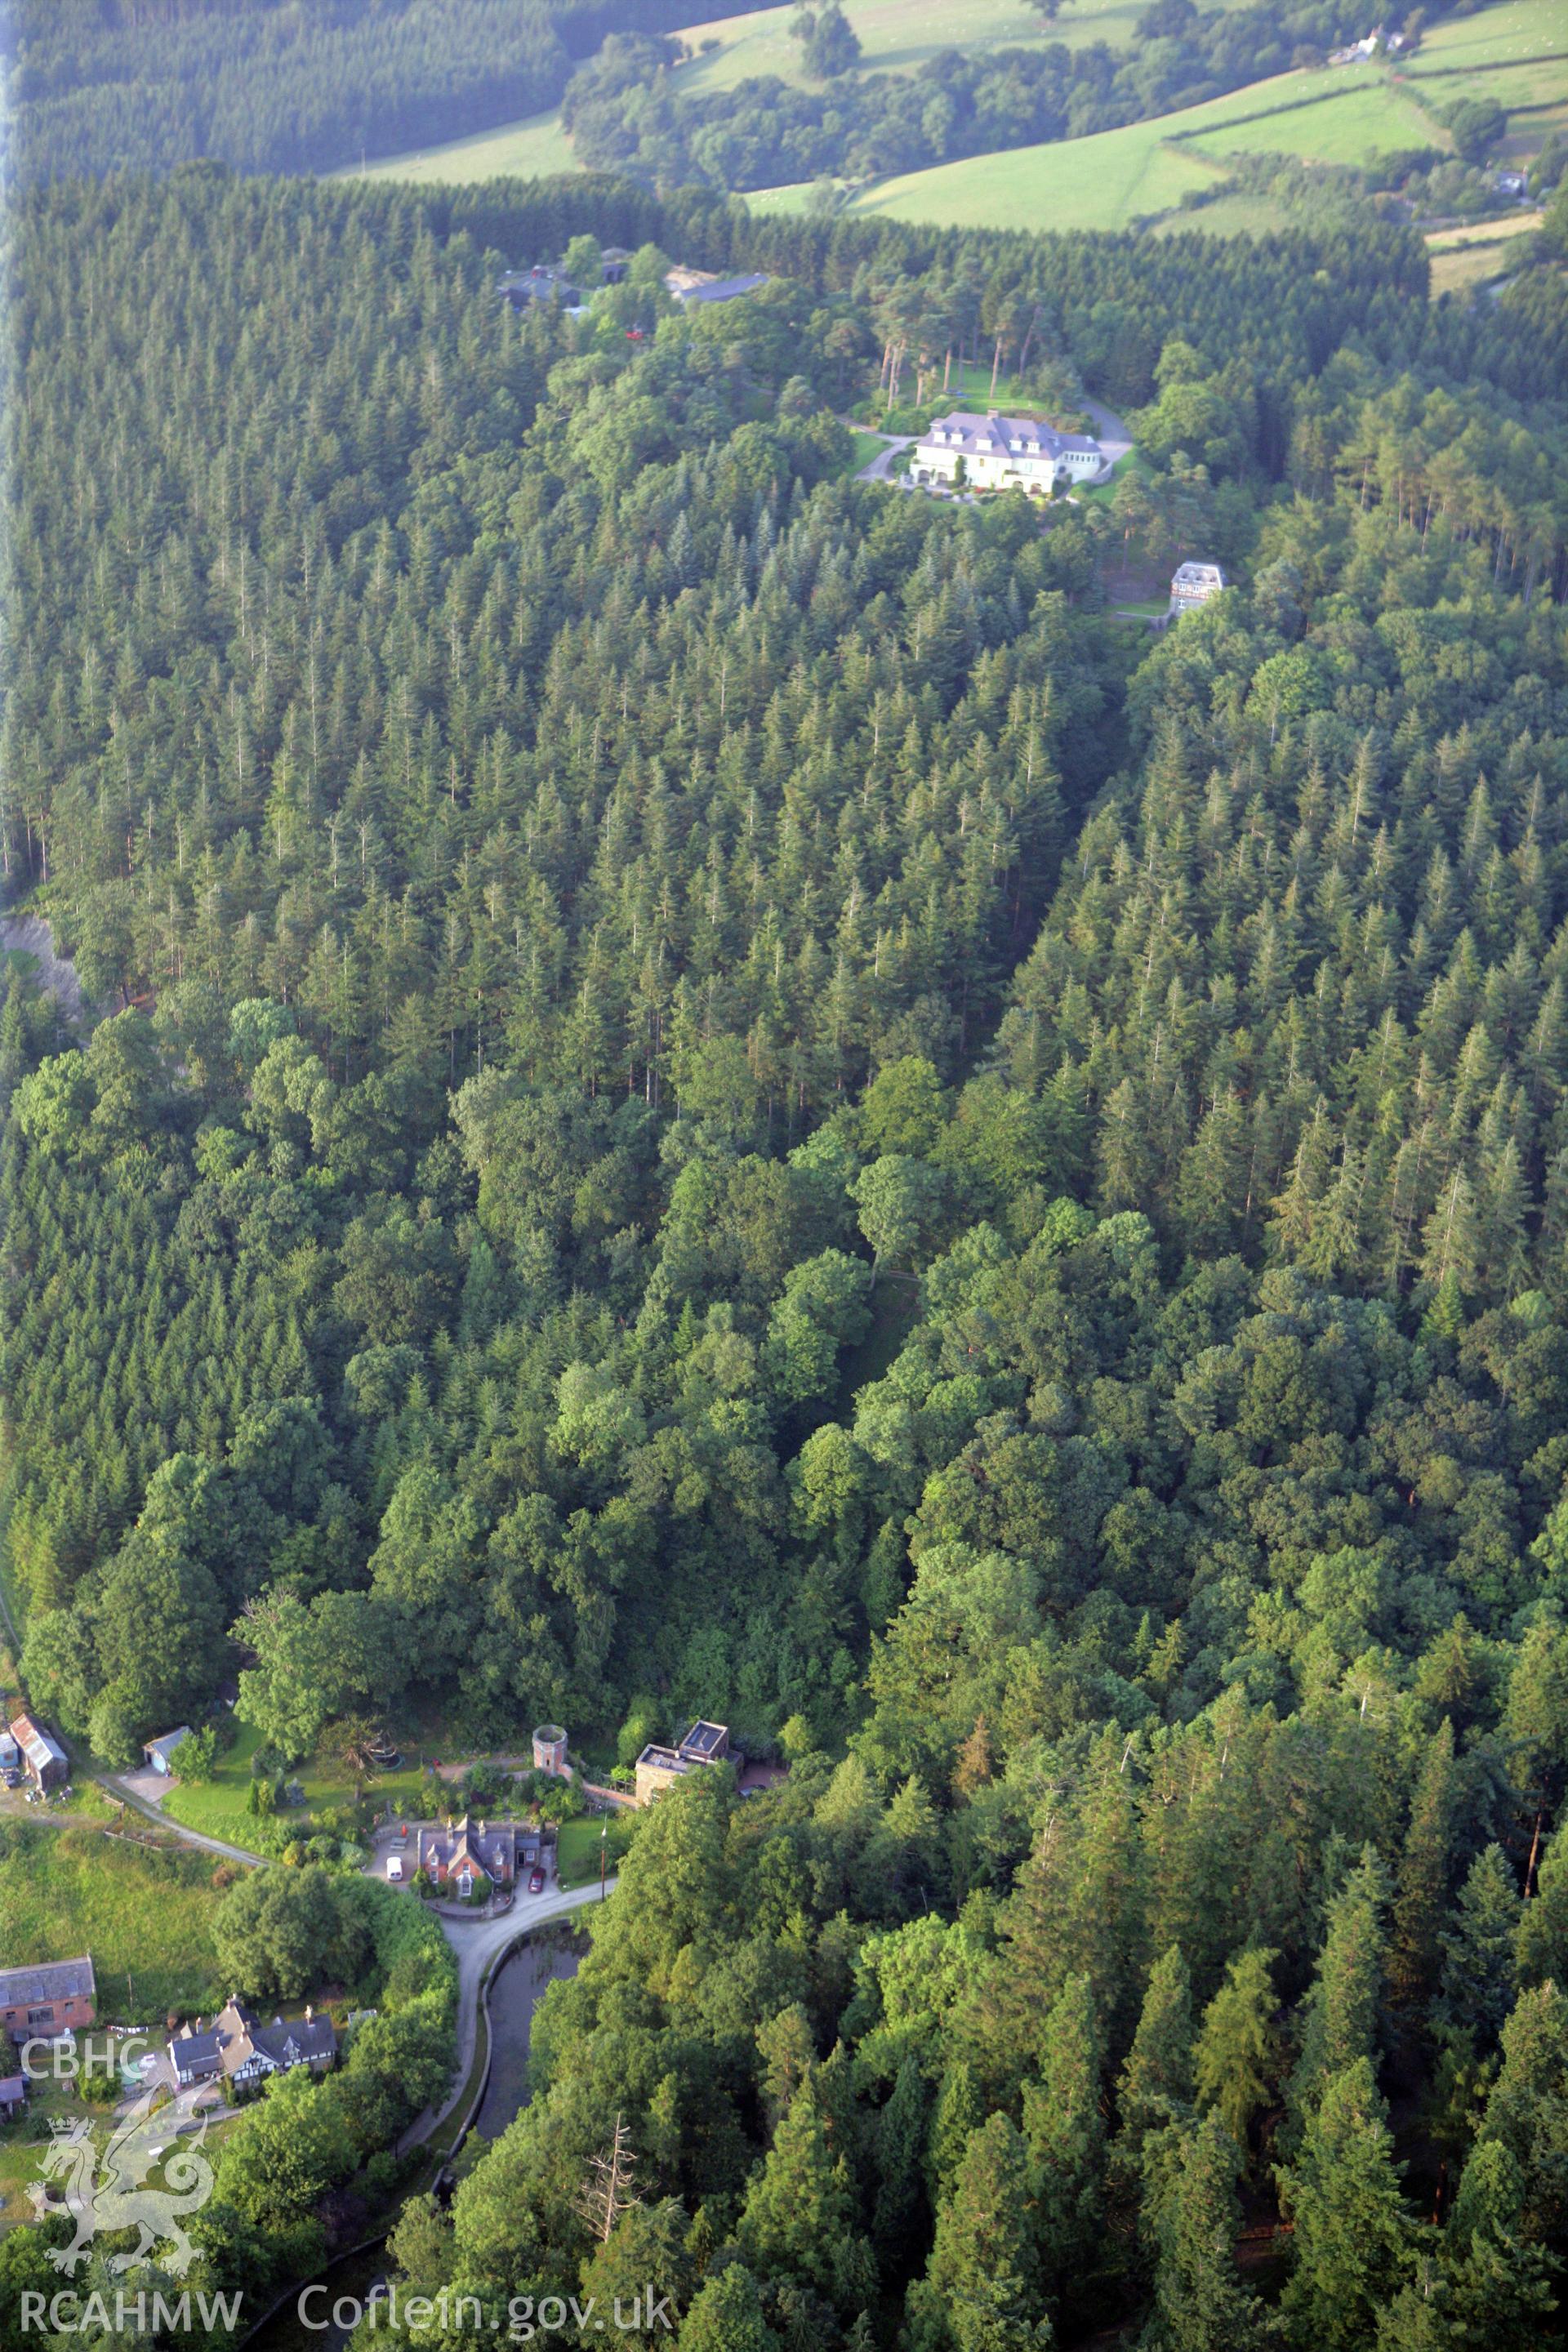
(395, 1868)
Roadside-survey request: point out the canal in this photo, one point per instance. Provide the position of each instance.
(516, 1990)
(519, 1987)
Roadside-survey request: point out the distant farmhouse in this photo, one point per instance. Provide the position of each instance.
(1191, 585)
(238, 2048)
(547, 281)
(1005, 453)
(457, 1859)
(1375, 40)
(44, 1758)
(660, 1768)
(543, 283)
(56, 1997)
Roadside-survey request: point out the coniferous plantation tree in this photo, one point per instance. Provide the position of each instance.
(102, 86)
(707, 1091)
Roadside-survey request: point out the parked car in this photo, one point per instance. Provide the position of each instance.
(395, 1868)
(536, 1880)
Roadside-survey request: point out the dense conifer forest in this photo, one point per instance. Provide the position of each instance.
(712, 1090)
(102, 86)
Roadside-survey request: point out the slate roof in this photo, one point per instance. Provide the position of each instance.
(165, 1745)
(295, 2040)
(543, 283)
(197, 2056)
(993, 435)
(496, 1851)
(722, 289)
(238, 2035)
(50, 1980)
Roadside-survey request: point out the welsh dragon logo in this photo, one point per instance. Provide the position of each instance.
(111, 2191)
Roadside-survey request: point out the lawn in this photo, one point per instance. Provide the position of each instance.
(577, 1854)
(220, 1807)
(144, 1917)
(1103, 494)
(866, 447)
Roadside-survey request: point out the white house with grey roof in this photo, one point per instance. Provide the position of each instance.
(1004, 453)
(239, 2048)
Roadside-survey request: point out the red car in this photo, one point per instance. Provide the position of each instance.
(536, 1881)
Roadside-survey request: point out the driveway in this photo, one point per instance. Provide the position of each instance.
(879, 468)
(125, 1786)
(1110, 430)
(877, 471)
(148, 1788)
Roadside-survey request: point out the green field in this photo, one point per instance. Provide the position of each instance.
(1466, 257)
(536, 149)
(145, 1917)
(1099, 182)
(1242, 214)
(1516, 53)
(1345, 114)
(1350, 126)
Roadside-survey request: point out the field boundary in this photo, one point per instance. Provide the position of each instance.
(1494, 65)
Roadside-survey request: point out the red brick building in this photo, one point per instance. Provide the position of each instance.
(55, 1997)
